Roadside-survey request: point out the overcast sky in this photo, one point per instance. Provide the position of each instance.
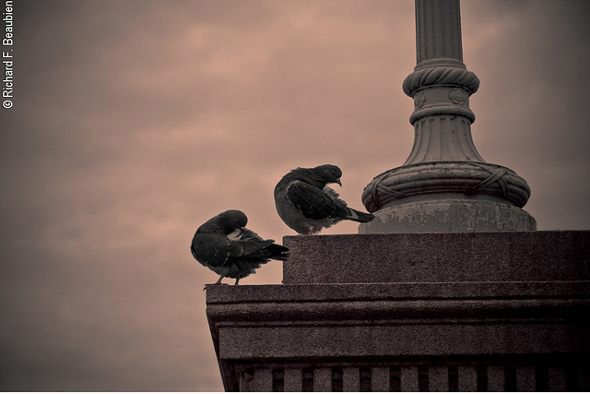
(135, 121)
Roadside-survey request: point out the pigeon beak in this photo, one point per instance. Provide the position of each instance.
(338, 181)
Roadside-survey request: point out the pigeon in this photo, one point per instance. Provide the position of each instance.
(224, 245)
(307, 205)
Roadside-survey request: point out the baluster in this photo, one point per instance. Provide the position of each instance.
(351, 379)
(261, 381)
(322, 379)
(409, 379)
(293, 379)
(438, 379)
(525, 379)
(467, 378)
(495, 378)
(380, 379)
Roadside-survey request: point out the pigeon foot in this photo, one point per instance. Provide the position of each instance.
(214, 284)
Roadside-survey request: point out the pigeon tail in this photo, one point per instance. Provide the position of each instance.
(278, 252)
(358, 216)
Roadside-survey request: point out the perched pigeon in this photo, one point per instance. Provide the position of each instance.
(225, 246)
(307, 205)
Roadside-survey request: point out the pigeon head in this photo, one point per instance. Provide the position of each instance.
(232, 220)
(328, 173)
(225, 222)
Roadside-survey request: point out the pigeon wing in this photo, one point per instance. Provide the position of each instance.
(313, 202)
(246, 249)
(249, 235)
(270, 250)
(211, 250)
(333, 194)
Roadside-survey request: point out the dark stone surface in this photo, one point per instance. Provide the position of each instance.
(420, 302)
(393, 319)
(397, 324)
(278, 294)
(366, 341)
(440, 257)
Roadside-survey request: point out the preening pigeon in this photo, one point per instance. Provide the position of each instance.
(225, 246)
(307, 205)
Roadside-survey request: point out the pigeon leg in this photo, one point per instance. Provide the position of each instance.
(216, 283)
(237, 281)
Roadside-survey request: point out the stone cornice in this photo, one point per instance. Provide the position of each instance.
(277, 322)
(396, 292)
(418, 311)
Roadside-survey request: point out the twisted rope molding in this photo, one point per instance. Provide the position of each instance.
(495, 176)
(441, 76)
(457, 176)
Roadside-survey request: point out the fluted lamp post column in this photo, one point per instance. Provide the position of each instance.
(444, 185)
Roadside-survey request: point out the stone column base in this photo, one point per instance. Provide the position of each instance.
(449, 215)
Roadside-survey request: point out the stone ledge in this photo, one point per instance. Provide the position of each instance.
(432, 303)
(354, 341)
(289, 322)
(243, 294)
(438, 257)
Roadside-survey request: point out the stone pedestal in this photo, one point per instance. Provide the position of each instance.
(412, 312)
(449, 215)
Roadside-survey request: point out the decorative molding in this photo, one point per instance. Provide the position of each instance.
(463, 177)
(419, 99)
(444, 162)
(444, 110)
(443, 138)
(436, 76)
(458, 96)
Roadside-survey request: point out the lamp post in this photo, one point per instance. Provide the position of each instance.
(444, 185)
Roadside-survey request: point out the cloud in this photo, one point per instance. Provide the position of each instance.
(136, 121)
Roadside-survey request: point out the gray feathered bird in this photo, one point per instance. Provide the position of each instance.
(307, 204)
(225, 246)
